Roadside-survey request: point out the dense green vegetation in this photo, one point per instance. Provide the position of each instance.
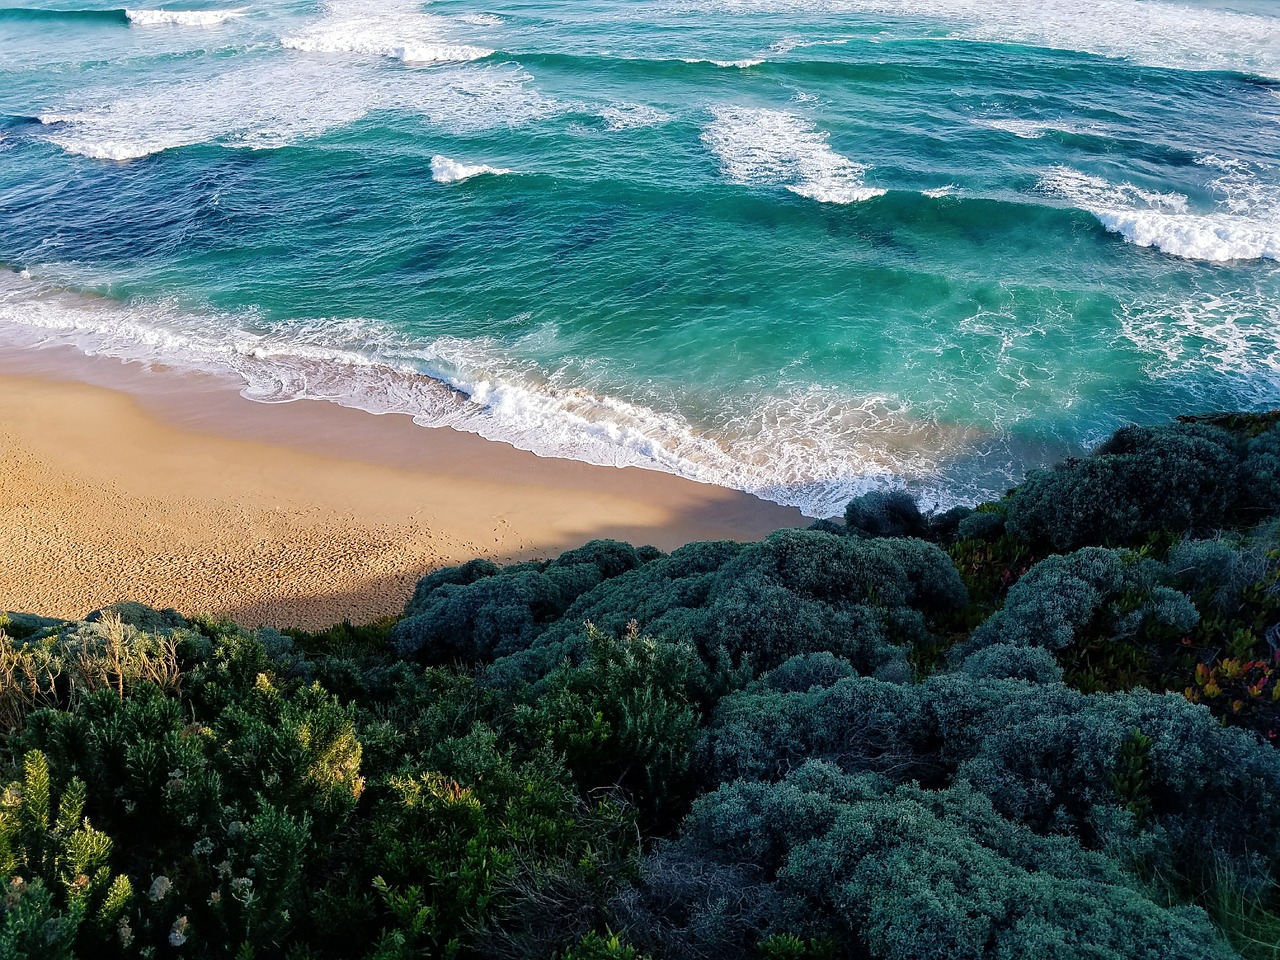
(1044, 729)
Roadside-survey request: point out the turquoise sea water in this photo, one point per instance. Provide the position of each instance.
(797, 247)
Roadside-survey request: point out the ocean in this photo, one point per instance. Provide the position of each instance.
(801, 248)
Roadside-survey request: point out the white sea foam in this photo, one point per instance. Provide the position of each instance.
(398, 30)
(1234, 335)
(272, 104)
(409, 52)
(1025, 129)
(742, 64)
(183, 18)
(945, 191)
(1247, 229)
(444, 170)
(1151, 32)
(258, 106)
(630, 116)
(812, 448)
(481, 19)
(771, 148)
(787, 44)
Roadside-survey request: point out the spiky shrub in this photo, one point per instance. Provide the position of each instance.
(626, 717)
(58, 668)
(62, 898)
(489, 847)
(596, 947)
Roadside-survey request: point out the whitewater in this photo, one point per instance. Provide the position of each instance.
(802, 248)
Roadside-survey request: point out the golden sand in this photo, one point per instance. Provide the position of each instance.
(120, 483)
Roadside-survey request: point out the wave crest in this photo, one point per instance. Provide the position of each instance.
(1248, 229)
(444, 170)
(182, 18)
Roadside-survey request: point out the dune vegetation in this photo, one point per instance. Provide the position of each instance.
(1042, 728)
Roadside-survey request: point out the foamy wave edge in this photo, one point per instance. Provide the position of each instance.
(441, 385)
(407, 52)
(1193, 237)
(183, 18)
(444, 170)
(1162, 221)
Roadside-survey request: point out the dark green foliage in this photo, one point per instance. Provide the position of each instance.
(596, 947)
(1144, 479)
(60, 889)
(859, 724)
(463, 576)
(477, 612)
(345, 639)
(941, 875)
(1105, 593)
(1047, 756)
(625, 717)
(840, 742)
(1003, 661)
(802, 674)
(982, 525)
(796, 592)
(945, 527)
(463, 844)
(893, 873)
(885, 513)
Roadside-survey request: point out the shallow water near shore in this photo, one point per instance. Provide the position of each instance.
(796, 247)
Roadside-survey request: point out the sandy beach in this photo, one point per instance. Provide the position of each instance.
(171, 489)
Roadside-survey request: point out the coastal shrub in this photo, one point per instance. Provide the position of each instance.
(800, 674)
(475, 827)
(1174, 478)
(858, 724)
(1260, 474)
(60, 889)
(237, 802)
(474, 615)
(1046, 756)
(944, 527)
(985, 523)
(885, 513)
(460, 576)
(723, 752)
(942, 875)
(713, 892)
(140, 617)
(894, 873)
(59, 668)
(1094, 591)
(596, 947)
(624, 718)
(1003, 661)
(796, 592)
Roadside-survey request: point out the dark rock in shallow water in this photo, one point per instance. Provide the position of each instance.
(143, 617)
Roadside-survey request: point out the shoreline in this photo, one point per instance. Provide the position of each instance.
(119, 482)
